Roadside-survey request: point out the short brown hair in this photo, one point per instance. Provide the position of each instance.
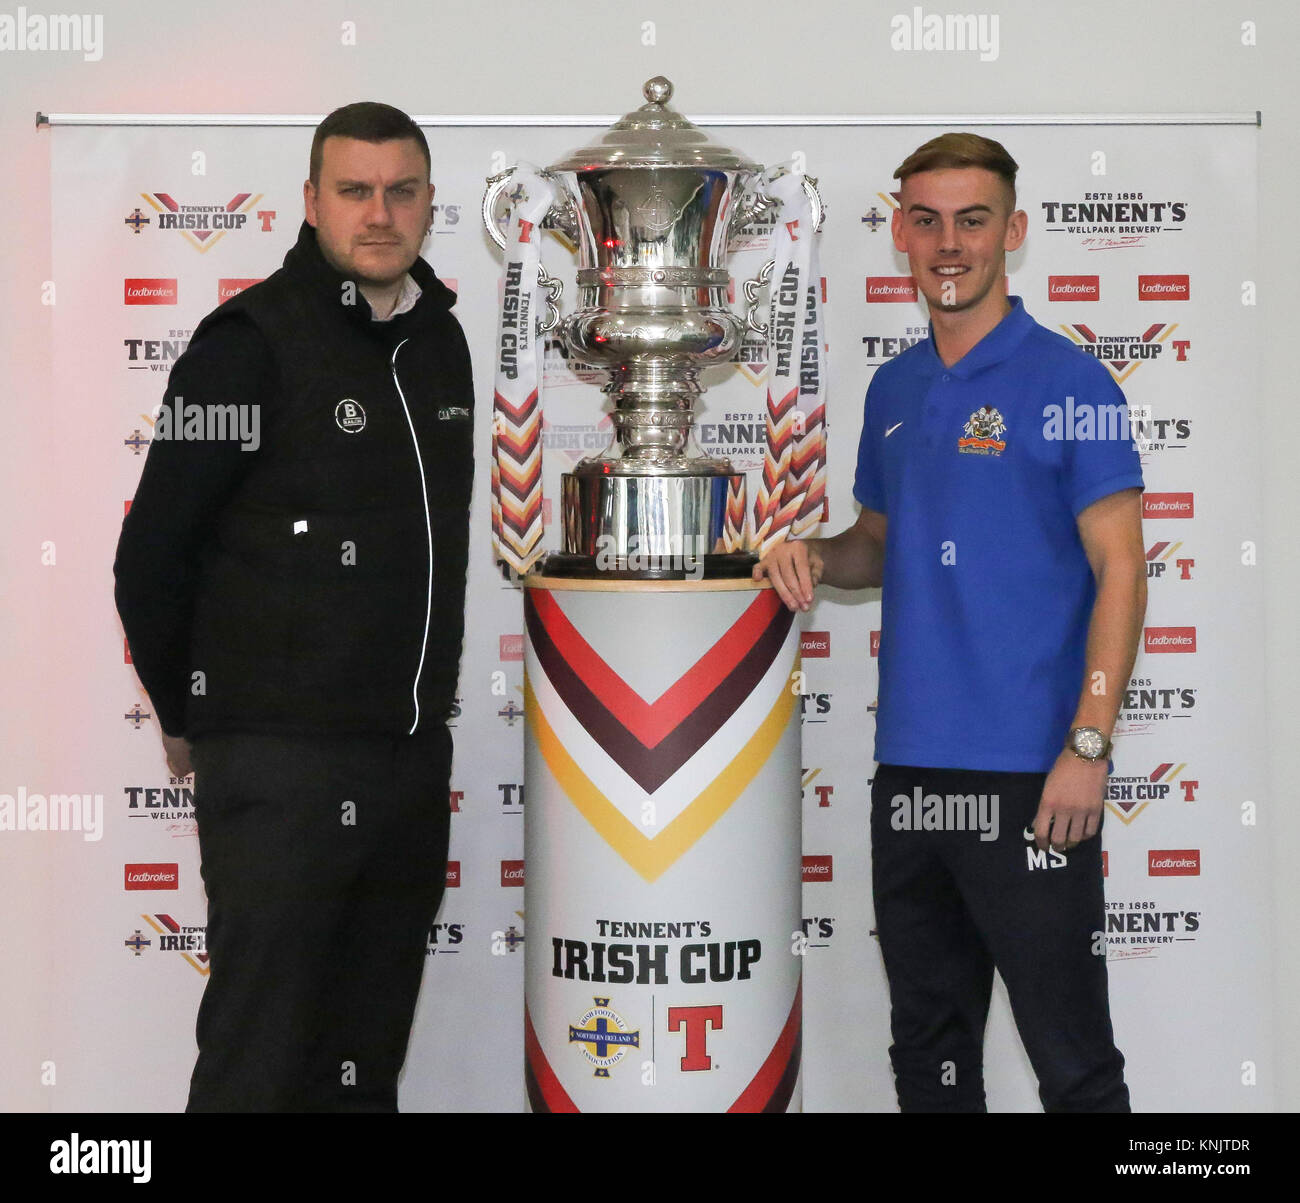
(367, 121)
(961, 150)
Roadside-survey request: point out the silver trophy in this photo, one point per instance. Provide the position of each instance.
(651, 207)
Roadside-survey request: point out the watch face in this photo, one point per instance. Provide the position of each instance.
(1089, 742)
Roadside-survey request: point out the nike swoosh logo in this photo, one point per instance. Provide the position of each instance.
(893, 428)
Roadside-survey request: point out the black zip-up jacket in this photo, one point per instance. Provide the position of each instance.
(316, 584)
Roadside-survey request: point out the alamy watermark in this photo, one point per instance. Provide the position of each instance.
(919, 811)
(209, 423)
(1085, 423)
(639, 558)
(24, 31)
(53, 812)
(84, 1155)
(920, 30)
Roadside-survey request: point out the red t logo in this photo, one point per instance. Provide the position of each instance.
(698, 1020)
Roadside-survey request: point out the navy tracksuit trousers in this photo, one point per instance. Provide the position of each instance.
(950, 907)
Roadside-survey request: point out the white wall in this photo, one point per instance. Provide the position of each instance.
(588, 56)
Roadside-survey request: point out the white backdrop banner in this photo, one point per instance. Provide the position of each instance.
(1141, 249)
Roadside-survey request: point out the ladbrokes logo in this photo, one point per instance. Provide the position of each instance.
(875, 643)
(152, 877)
(895, 289)
(1128, 797)
(818, 868)
(1164, 288)
(1168, 639)
(148, 291)
(1169, 561)
(1174, 862)
(512, 872)
(511, 647)
(203, 226)
(230, 287)
(1125, 353)
(815, 644)
(453, 874)
(1074, 288)
(1168, 505)
(1107, 220)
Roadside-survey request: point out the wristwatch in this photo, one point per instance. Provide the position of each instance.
(1088, 743)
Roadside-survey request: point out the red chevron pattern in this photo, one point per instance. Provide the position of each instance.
(517, 479)
(776, 465)
(650, 741)
(734, 532)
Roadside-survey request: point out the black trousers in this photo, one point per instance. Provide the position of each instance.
(324, 861)
(951, 906)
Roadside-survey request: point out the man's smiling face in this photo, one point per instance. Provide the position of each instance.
(955, 225)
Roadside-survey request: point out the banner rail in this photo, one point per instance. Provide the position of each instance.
(604, 120)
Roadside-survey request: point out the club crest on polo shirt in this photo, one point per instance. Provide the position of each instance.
(983, 433)
(349, 416)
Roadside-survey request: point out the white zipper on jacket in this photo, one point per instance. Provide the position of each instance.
(428, 528)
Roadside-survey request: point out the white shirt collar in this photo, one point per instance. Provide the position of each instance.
(411, 292)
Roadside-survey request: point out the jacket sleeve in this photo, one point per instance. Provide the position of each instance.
(186, 481)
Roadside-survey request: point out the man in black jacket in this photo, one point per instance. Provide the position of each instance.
(293, 596)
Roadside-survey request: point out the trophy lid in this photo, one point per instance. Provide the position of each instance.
(655, 136)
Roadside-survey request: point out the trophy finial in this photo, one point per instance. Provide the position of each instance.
(658, 90)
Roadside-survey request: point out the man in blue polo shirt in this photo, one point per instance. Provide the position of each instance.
(1001, 514)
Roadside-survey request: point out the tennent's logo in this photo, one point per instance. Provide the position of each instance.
(203, 226)
(1125, 353)
(1128, 796)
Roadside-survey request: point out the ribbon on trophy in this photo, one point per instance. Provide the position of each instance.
(792, 488)
(516, 403)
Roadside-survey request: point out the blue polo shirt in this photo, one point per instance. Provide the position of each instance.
(981, 469)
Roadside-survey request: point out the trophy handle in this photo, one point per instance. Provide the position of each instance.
(554, 291)
(495, 186)
(752, 289)
(561, 218)
(818, 206)
(760, 204)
